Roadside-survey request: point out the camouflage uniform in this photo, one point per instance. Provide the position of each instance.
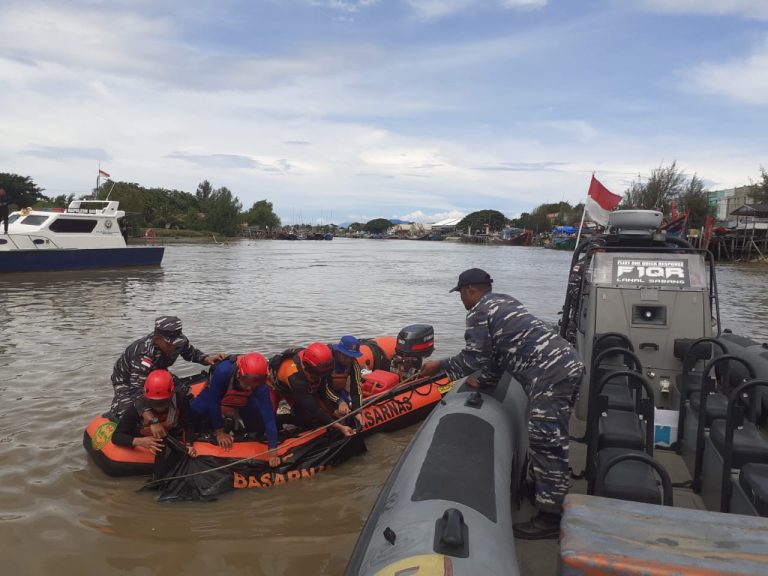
(140, 358)
(502, 336)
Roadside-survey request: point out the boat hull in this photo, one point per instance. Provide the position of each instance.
(464, 458)
(78, 259)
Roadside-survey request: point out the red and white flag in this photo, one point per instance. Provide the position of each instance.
(104, 173)
(600, 201)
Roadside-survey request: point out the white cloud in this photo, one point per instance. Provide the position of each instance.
(435, 9)
(419, 216)
(344, 5)
(576, 129)
(755, 9)
(742, 80)
(368, 128)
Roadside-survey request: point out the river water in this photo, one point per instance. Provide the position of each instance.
(60, 334)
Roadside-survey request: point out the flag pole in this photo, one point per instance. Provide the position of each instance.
(98, 180)
(583, 214)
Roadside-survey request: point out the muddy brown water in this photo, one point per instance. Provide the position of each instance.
(60, 334)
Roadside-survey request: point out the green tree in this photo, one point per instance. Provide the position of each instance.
(262, 215)
(657, 193)
(477, 221)
(760, 190)
(666, 185)
(132, 198)
(694, 199)
(539, 220)
(223, 212)
(22, 190)
(377, 225)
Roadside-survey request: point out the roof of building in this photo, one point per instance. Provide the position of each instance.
(756, 210)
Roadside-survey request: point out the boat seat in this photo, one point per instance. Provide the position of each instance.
(690, 380)
(748, 444)
(754, 481)
(629, 480)
(619, 396)
(702, 351)
(620, 429)
(717, 406)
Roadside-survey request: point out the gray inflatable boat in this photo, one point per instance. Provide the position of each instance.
(446, 507)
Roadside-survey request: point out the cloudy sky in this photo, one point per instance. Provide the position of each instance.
(356, 109)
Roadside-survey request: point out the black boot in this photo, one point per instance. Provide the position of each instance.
(540, 527)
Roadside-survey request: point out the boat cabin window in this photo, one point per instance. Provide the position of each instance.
(13, 217)
(34, 220)
(70, 225)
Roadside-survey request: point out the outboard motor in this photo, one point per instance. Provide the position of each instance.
(414, 343)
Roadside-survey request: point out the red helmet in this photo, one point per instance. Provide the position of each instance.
(252, 366)
(158, 385)
(318, 358)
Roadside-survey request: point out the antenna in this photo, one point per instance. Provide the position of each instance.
(110, 191)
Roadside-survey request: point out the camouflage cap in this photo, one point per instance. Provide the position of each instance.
(169, 327)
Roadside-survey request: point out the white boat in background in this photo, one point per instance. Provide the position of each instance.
(87, 234)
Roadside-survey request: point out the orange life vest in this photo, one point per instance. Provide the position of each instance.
(377, 352)
(290, 365)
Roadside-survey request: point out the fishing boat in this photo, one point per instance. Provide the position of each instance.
(674, 449)
(87, 234)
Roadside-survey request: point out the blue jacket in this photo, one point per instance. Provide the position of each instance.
(208, 402)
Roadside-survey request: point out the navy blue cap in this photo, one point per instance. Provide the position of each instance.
(349, 346)
(472, 276)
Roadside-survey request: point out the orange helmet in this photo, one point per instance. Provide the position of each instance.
(253, 367)
(317, 358)
(158, 385)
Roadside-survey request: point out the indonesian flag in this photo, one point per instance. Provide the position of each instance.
(600, 201)
(104, 173)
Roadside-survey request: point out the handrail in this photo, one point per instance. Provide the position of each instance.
(666, 481)
(707, 385)
(730, 418)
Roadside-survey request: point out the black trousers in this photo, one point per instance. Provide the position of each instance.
(4, 217)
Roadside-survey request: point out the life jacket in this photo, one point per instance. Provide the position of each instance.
(234, 398)
(169, 420)
(285, 365)
(377, 352)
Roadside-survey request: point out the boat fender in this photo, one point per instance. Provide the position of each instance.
(452, 534)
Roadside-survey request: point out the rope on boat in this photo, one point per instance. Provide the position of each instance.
(411, 383)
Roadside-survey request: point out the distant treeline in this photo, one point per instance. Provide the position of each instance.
(665, 185)
(218, 210)
(210, 209)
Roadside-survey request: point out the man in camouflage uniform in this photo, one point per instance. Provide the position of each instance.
(502, 336)
(157, 350)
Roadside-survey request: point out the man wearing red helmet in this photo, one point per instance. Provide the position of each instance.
(164, 406)
(238, 386)
(300, 376)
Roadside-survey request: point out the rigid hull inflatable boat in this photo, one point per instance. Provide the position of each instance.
(673, 410)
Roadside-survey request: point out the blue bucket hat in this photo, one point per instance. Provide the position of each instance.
(349, 346)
